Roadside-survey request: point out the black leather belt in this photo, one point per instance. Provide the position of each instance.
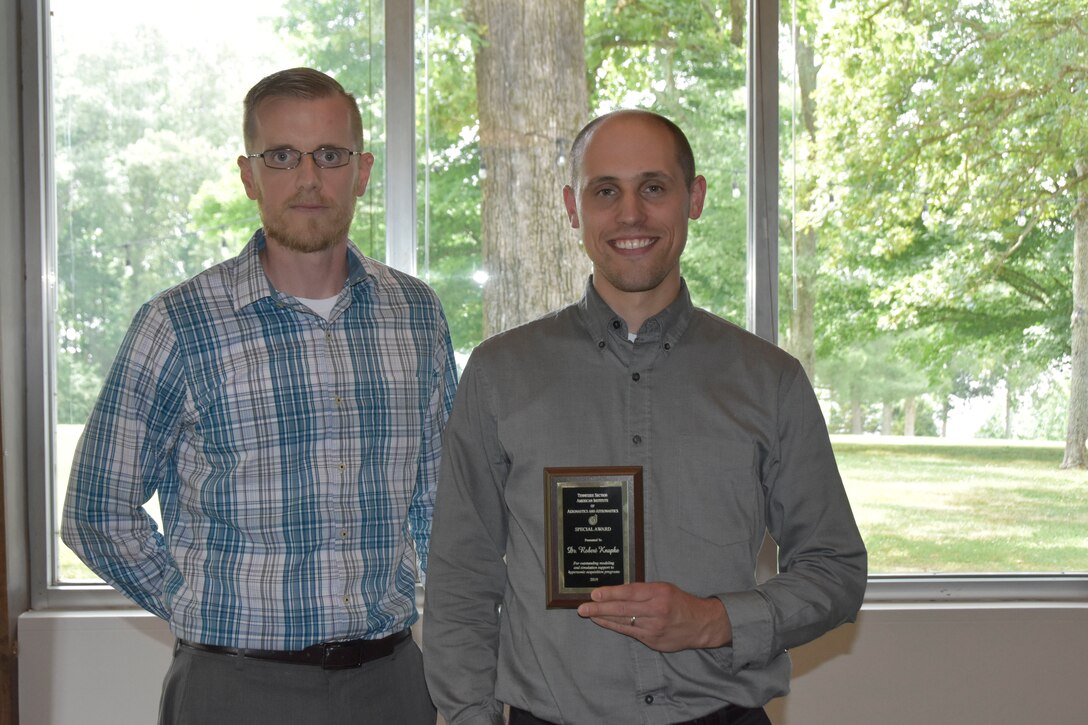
(725, 716)
(327, 655)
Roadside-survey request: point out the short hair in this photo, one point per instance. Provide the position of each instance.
(304, 83)
(684, 155)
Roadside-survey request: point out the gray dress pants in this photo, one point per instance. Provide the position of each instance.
(203, 688)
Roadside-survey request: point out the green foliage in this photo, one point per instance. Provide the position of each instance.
(449, 165)
(136, 138)
(948, 176)
(347, 42)
(951, 163)
(677, 58)
(938, 177)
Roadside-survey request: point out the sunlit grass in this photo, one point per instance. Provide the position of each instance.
(974, 507)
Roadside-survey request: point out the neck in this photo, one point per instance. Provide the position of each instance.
(314, 275)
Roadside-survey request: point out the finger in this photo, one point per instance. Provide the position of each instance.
(623, 625)
(618, 611)
(637, 591)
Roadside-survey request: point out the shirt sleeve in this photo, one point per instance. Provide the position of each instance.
(122, 458)
(468, 575)
(443, 389)
(822, 559)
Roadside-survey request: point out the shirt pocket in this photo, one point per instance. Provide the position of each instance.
(705, 544)
(720, 501)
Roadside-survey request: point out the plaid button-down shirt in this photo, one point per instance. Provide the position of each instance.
(294, 457)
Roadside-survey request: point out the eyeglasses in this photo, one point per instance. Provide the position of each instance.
(324, 158)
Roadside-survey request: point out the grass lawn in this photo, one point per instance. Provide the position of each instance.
(924, 505)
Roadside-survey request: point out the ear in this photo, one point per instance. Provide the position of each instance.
(571, 204)
(366, 165)
(698, 196)
(246, 168)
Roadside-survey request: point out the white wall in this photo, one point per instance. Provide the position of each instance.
(91, 668)
(897, 666)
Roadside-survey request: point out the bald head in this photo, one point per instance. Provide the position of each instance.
(684, 155)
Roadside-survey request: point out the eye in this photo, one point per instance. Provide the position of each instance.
(330, 157)
(282, 156)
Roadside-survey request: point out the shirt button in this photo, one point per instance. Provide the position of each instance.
(600, 344)
(668, 346)
(347, 600)
(615, 324)
(637, 439)
(343, 533)
(649, 699)
(636, 377)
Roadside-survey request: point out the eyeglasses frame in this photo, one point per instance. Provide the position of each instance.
(301, 154)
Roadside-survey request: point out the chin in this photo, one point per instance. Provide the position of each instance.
(307, 241)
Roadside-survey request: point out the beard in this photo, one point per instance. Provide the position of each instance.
(307, 235)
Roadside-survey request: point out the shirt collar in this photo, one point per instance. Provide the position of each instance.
(667, 325)
(251, 284)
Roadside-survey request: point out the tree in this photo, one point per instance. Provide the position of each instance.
(804, 227)
(957, 164)
(1077, 427)
(529, 112)
(875, 371)
(137, 136)
(686, 59)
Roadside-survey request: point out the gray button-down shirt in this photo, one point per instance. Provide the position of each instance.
(732, 443)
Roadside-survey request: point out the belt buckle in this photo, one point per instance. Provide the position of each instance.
(338, 656)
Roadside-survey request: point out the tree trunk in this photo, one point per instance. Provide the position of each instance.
(1077, 428)
(532, 99)
(1009, 405)
(802, 333)
(802, 339)
(910, 415)
(856, 422)
(887, 416)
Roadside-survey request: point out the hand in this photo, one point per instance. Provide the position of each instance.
(660, 615)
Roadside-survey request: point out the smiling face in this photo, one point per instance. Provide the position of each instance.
(632, 206)
(305, 209)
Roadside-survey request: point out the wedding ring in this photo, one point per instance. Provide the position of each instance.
(633, 621)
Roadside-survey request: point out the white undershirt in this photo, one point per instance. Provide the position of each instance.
(321, 307)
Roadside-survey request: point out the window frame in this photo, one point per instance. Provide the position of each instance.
(762, 295)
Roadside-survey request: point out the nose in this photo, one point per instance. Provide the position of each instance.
(631, 209)
(307, 173)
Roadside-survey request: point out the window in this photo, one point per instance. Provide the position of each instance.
(931, 193)
(845, 266)
(145, 122)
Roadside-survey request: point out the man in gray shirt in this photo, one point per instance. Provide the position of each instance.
(731, 444)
